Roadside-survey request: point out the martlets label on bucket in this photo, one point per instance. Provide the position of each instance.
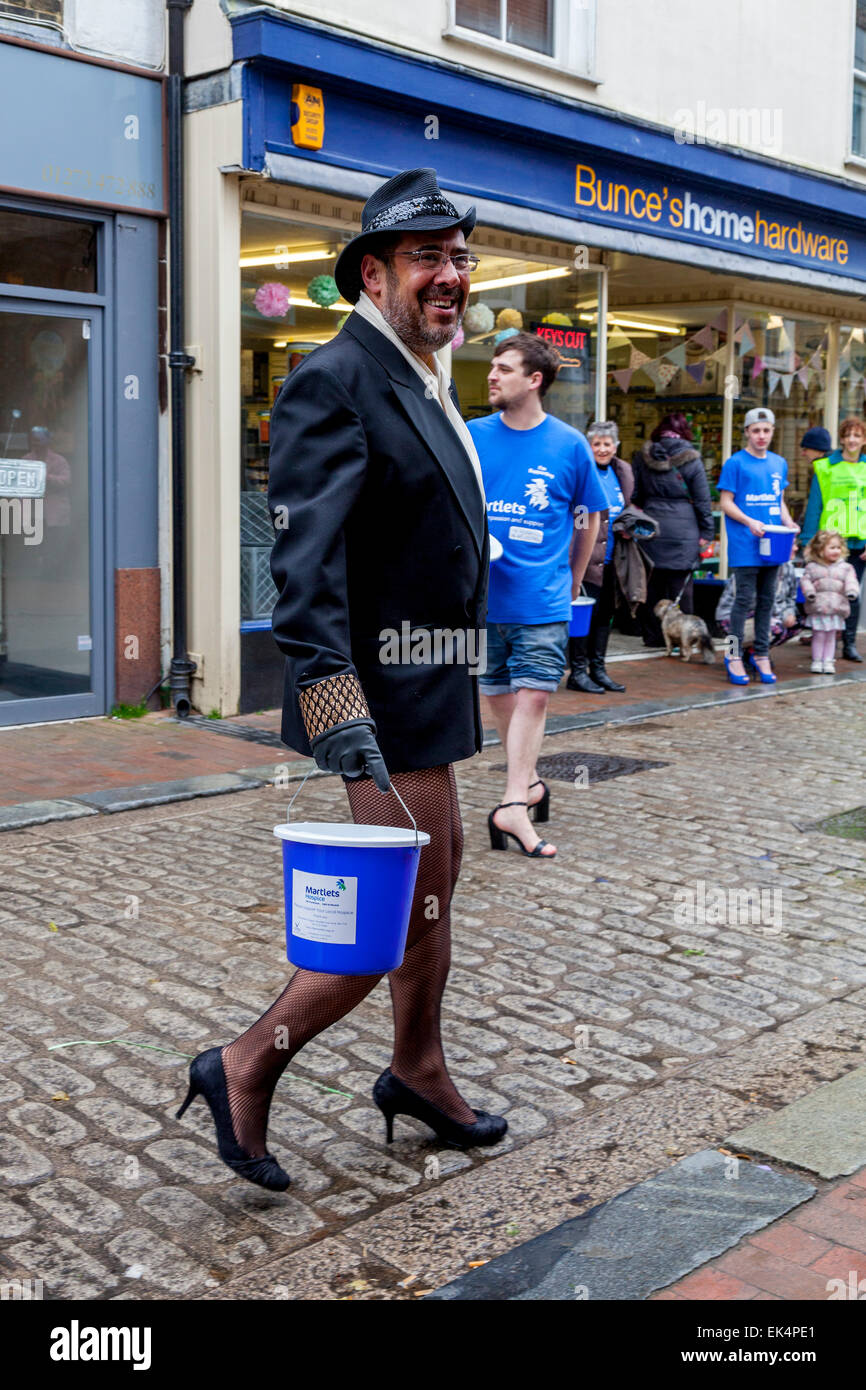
(324, 908)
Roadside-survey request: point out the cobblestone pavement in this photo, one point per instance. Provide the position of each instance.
(613, 1033)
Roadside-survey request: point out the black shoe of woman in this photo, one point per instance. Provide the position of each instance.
(394, 1097)
(207, 1078)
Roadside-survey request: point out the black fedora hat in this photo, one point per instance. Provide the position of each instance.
(411, 201)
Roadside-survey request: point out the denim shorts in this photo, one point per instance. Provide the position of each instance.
(524, 656)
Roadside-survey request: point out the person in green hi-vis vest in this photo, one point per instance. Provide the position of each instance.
(837, 502)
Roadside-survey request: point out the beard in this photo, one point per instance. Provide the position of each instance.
(405, 313)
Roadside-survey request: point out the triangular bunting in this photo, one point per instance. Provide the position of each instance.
(803, 376)
(637, 358)
(720, 323)
(667, 371)
(623, 378)
(677, 355)
(758, 365)
(705, 337)
(773, 379)
(786, 380)
(745, 340)
(697, 372)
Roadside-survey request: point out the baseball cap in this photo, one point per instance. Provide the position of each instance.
(761, 415)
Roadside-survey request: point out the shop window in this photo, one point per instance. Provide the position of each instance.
(555, 30)
(54, 253)
(546, 297)
(782, 363)
(858, 136)
(852, 372)
(289, 305)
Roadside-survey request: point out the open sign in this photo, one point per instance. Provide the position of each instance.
(22, 478)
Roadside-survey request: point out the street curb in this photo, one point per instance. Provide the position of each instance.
(279, 773)
(644, 1239)
(26, 813)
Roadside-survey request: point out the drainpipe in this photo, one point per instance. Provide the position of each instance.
(179, 361)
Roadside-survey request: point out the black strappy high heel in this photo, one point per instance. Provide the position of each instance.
(499, 838)
(394, 1097)
(207, 1078)
(541, 809)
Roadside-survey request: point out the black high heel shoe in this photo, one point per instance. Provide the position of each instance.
(394, 1097)
(207, 1078)
(542, 807)
(499, 838)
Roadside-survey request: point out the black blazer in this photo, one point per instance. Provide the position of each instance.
(379, 522)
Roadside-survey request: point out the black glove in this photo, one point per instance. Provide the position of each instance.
(352, 751)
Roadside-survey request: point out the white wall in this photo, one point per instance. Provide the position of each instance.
(657, 57)
(129, 31)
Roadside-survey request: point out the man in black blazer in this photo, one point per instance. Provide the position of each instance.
(380, 561)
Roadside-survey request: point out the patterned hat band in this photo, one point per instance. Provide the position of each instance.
(410, 208)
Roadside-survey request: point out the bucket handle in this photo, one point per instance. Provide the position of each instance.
(311, 770)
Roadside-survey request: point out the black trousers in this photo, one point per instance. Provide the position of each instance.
(664, 584)
(857, 559)
(756, 590)
(605, 599)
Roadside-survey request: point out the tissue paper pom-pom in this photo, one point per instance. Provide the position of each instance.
(272, 300)
(557, 318)
(505, 333)
(458, 340)
(509, 318)
(478, 318)
(323, 291)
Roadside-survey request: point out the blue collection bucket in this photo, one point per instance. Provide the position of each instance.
(348, 891)
(776, 545)
(581, 616)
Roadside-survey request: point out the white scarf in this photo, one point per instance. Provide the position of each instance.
(436, 383)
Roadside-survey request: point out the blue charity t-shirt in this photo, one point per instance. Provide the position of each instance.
(533, 480)
(757, 485)
(615, 503)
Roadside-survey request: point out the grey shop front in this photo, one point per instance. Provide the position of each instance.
(81, 235)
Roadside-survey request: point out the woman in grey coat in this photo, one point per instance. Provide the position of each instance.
(670, 484)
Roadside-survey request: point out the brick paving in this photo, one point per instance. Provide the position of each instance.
(50, 761)
(578, 996)
(789, 1260)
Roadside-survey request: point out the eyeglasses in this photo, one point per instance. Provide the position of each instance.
(464, 263)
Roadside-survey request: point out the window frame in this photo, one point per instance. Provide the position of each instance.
(568, 51)
(855, 156)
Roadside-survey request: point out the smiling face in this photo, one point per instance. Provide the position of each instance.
(424, 307)
(603, 447)
(832, 551)
(852, 441)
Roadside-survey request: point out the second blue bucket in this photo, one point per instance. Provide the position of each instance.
(581, 616)
(776, 545)
(349, 892)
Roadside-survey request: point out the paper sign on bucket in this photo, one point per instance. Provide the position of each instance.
(348, 891)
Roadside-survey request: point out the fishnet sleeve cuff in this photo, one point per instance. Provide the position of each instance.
(335, 700)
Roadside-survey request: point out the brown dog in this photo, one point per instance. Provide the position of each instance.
(685, 629)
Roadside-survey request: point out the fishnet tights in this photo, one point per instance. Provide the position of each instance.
(311, 1002)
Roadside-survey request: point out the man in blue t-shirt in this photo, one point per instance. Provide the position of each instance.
(542, 489)
(752, 494)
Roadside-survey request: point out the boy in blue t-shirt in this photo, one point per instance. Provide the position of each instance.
(752, 490)
(542, 488)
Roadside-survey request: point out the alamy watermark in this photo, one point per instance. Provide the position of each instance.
(754, 127)
(22, 516)
(709, 904)
(434, 646)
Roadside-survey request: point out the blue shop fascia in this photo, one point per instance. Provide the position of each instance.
(723, 279)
